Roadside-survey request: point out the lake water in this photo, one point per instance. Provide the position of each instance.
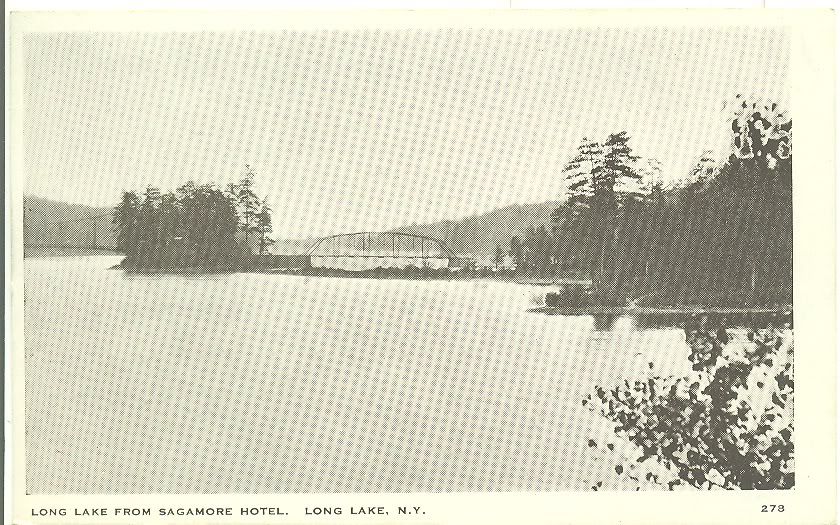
(256, 383)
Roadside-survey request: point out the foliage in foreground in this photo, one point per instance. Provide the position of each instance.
(728, 424)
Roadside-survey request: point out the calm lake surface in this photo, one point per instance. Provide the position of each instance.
(257, 383)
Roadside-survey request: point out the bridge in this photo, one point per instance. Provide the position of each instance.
(369, 250)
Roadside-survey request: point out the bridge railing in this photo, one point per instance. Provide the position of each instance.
(380, 244)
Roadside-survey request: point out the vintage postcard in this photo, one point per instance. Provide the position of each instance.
(422, 267)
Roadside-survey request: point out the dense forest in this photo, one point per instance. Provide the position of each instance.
(722, 237)
(196, 226)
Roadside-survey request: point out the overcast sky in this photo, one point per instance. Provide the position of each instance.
(363, 130)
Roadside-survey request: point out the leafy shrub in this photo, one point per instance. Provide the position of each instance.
(728, 424)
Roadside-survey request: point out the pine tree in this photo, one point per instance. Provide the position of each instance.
(583, 174)
(264, 226)
(149, 251)
(615, 189)
(601, 179)
(125, 217)
(248, 205)
(168, 226)
(619, 179)
(499, 257)
(517, 253)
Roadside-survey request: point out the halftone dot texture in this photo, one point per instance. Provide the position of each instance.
(268, 383)
(251, 383)
(377, 129)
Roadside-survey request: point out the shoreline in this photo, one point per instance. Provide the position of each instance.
(652, 310)
(546, 310)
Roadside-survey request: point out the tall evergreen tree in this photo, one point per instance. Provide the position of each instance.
(264, 226)
(600, 178)
(125, 218)
(517, 253)
(498, 257)
(617, 188)
(248, 205)
(619, 178)
(583, 174)
(149, 220)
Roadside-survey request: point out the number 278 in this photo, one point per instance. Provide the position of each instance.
(772, 508)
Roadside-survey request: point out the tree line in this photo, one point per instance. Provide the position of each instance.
(197, 226)
(724, 236)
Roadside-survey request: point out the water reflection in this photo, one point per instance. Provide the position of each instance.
(604, 322)
(162, 276)
(614, 322)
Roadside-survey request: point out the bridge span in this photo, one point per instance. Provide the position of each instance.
(362, 251)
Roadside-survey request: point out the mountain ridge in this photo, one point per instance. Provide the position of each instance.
(482, 233)
(48, 222)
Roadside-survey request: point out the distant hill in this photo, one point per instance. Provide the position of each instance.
(477, 235)
(480, 234)
(291, 246)
(49, 223)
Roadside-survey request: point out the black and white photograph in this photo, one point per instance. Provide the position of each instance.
(433, 259)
